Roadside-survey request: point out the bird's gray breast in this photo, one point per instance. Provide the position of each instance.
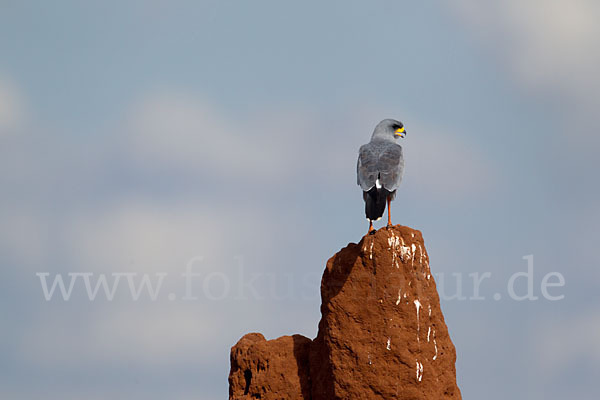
(380, 160)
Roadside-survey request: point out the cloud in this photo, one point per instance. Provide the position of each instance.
(181, 131)
(549, 45)
(157, 336)
(140, 235)
(145, 237)
(441, 164)
(148, 237)
(23, 236)
(11, 107)
(570, 341)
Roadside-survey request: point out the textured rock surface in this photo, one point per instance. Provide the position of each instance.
(274, 369)
(382, 334)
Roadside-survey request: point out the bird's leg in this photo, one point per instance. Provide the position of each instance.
(371, 229)
(389, 212)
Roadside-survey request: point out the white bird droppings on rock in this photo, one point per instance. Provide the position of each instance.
(419, 371)
(418, 305)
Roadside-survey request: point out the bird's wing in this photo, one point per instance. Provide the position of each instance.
(366, 167)
(390, 165)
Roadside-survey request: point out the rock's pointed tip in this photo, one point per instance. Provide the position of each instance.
(399, 230)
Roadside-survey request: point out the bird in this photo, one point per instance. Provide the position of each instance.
(380, 169)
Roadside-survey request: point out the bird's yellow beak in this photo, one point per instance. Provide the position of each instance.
(400, 132)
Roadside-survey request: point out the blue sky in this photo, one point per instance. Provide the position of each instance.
(139, 136)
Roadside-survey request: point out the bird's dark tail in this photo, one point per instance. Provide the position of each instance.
(375, 200)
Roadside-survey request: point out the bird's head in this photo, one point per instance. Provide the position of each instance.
(389, 129)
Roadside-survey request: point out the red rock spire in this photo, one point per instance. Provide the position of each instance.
(382, 334)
